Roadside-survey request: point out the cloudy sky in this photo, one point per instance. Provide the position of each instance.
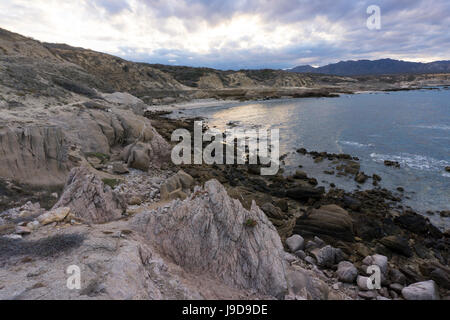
(234, 34)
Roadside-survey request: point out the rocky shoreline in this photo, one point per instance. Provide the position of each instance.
(332, 237)
(86, 180)
(359, 223)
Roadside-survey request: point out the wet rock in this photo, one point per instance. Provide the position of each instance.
(330, 220)
(90, 199)
(376, 177)
(389, 163)
(346, 272)
(352, 203)
(300, 175)
(413, 222)
(350, 167)
(295, 243)
(425, 290)
(361, 177)
(447, 169)
(305, 193)
(397, 244)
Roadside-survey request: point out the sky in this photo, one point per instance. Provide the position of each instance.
(238, 34)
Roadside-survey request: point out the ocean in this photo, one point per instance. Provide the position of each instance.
(410, 127)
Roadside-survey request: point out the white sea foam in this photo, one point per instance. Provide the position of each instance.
(434, 127)
(355, 144)
(413, 161)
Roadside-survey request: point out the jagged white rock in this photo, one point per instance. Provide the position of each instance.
(214, 234)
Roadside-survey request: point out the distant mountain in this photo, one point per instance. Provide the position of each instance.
(383, 66)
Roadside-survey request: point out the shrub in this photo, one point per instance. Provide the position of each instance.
(250, 223)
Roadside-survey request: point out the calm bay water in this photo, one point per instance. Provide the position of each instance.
(411, 127)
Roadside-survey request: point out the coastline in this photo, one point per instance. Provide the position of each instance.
(214, 102)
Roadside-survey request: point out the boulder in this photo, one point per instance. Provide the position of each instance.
(300, 254)
(305, 192)
(123, 98)
(397, 276)
(397, 244)
(442, 277)
(137, 156)
(378, 260)
(413, 222)
(362, 283)
(56, 215)
(177, 186)
(214, 234)
(437, 272)
(295, 243)
(272, 212)
(300, 175)
(361, 177)
(346, 272)
(425, 290)
(327, 256)
(330, 220)
(89, 198)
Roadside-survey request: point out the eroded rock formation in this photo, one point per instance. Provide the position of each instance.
(212, 233)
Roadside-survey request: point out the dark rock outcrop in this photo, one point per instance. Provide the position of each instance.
(305, 193)
(330, 220)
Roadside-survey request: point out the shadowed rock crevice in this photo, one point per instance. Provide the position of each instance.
(41, 248)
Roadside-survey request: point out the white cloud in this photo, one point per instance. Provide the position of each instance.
(256, 33)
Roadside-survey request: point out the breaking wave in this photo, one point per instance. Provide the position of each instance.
(413, 161)
(355, 144)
